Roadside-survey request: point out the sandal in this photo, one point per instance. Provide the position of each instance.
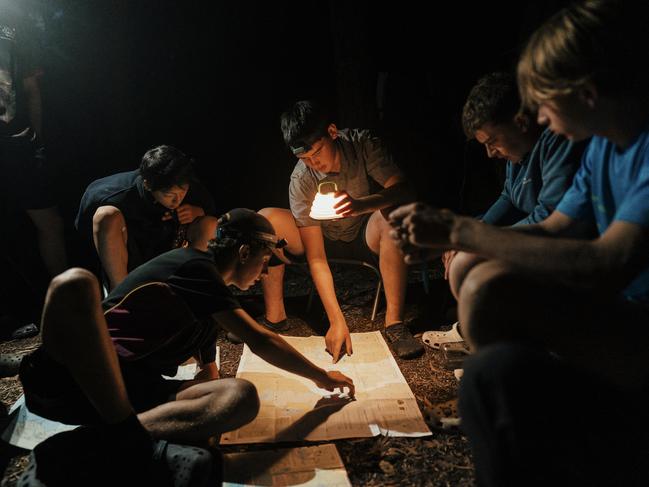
(27, 331)
(435, 339)
(10, 364)
(79, 457)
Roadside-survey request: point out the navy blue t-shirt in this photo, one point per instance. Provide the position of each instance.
(148, 235)
(535, 185)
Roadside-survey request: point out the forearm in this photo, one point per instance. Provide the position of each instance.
(531, 249)
(324, 283)
(387, 198)
(278, 352)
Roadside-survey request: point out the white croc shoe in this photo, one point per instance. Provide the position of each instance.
(435, 339)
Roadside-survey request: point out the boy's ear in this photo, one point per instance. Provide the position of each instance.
(145, 183)
(332, 130)
(522, 121)
(244, 253)
(588, 94)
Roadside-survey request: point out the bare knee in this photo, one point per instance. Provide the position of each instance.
(108, 219)
(483, 295)
(276, 216)
(239, 400)
(377, 233)
(73, 284)
(71, 293)
(460, 266)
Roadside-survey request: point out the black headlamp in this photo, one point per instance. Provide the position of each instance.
(299, 147)
(225, 231)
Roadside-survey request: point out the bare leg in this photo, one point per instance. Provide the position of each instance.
(110, 237)
(203, 410)
(273, 284)
(51, 241)
(75, 334)
(393, 269)
(461, 265)
(499, 304)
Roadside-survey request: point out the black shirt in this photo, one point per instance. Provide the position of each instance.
(148, 235)
(163, 331)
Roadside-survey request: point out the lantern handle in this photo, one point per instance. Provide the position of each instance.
(328, 182)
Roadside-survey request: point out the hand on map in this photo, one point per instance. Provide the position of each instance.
(336, 380)
(336, 338)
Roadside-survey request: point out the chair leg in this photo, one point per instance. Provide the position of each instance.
(377, 296)
(310, 300)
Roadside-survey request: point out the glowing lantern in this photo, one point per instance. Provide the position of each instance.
(323, 203)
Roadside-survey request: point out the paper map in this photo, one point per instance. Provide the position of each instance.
(312, 466)
(291, 405)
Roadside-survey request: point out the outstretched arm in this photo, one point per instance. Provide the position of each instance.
(338, 334)
(275, 350)
(551, 248)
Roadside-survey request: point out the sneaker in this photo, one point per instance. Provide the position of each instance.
(276, 327)
(402, 342)
(232, 338)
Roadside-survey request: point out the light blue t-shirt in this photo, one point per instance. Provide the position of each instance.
(535, 185)
(611, 185)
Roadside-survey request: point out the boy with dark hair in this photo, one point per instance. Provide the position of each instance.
(540, 165)
(558, 311)
(134, 216)
(368, 182)
(103, 369)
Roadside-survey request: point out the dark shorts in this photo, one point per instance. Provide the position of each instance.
(27, 178)
(357, 249)
(51, 392)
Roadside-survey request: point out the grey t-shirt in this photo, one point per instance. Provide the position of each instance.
(365, 166)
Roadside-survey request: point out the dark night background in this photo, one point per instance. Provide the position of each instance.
(212, 78)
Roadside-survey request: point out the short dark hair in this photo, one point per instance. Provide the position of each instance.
(603, 42)
(494, 99)
(241, 226)
(304, 123)
(164, 167)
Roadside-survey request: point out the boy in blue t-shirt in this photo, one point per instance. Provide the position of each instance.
(558, 312)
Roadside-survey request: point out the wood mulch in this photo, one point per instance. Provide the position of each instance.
(442, 459)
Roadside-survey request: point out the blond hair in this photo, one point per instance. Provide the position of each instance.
(594, 41)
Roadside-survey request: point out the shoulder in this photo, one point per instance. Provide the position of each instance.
(108, 186)
(302, 177)
(358, 139)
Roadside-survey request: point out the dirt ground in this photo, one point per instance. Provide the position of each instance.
(442, 459)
